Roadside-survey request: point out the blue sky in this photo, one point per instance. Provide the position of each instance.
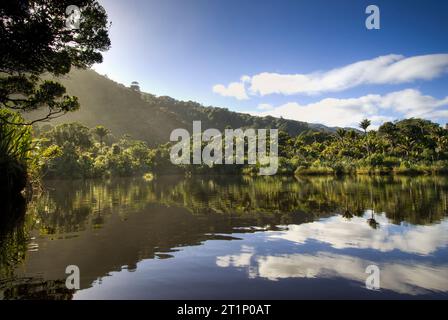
(307, 60)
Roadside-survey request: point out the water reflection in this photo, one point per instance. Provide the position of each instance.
(406, 275)
(341, 233)
(275, 228)
(401, 277)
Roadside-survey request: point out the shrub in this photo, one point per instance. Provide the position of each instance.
(15, 147)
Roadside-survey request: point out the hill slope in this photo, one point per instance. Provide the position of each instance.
(150, 118)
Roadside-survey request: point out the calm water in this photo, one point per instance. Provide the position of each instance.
(231, 238)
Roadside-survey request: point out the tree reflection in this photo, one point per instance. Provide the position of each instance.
(73, 206)
(372, 222)
(177, 211)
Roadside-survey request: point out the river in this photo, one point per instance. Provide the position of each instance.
(231, 238)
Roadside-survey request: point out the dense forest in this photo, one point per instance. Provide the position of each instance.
(408, 146)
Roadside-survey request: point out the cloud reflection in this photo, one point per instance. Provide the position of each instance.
(401, 277)
(404, 276)
(341, 233)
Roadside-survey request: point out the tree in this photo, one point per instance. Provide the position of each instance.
(35, 40)
(75, 133)
(364, 124)
(341, 133)
(101, 132)
(351, 134)
(390, 131)
(440, 138)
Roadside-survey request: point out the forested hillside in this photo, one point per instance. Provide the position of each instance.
(144, 116)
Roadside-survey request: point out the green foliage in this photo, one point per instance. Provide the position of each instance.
(101, 132)
(71, 151)
(409, 146)
(364, 124)
(417, 146)
(15, 141)
(15, 146)
(74, 133)
(35, 40)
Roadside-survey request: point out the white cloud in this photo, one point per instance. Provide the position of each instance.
(245, 78)
(234, 89)
(264, 106)
(389, 69)
(349, 112)
(241, 260)
(413, 104)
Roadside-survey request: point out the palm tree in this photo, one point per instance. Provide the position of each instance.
(364, 124)
(342, 133)
(101, 132)
(351, 134)
(406, 145)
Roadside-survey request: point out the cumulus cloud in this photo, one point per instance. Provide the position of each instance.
(389, 69)
(412, 103)
(349, 112)
(234, 89)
